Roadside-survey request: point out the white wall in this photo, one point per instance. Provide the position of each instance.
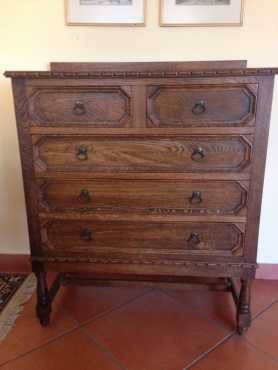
(33, 33)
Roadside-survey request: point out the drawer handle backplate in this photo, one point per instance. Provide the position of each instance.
(198, 154)
(196, 197)
(79, 108)
(82, 153)
(84, 196)
(194, 239)
(86, 235)
(199, 107)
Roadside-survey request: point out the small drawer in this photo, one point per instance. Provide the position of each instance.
(117, 238)
(116, 154)
(201, 105)
(99, 106)
(149, 197)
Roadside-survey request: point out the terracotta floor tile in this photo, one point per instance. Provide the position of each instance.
(220, 307)
(156, 332)
(264, 331)
(74, 351)
(85, 302)
(28, 333)
(236, 354)
(264, 293)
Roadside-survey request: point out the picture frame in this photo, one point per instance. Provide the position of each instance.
(105, 12)
(201, 13)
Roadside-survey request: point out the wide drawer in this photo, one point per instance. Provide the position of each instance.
(98, 106)
(201, 105)
(141, 154)
(150, 197)
(142, 238)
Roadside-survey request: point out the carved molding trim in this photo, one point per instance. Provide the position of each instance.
(38, 115)
(49, 206)
(107, 260)
(159, 74)
(156, 92)
(216, 143)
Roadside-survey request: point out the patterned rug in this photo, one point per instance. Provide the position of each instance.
(8, 286)
(15, 291)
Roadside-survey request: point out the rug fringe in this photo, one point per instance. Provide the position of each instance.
(11, 312)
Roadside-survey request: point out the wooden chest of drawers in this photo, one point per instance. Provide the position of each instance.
(144, 171)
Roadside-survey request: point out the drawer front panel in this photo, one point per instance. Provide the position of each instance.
(203, 105)
(142, 238)
(121, 154)
(144, 197)
(93, 106)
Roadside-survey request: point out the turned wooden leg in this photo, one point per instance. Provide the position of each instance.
(43, 299)
(243, 309)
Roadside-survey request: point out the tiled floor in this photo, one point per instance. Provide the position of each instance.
(96, 328)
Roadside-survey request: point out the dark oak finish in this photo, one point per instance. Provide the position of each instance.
(64, 237)
(98, 106)
(203, 105)
(166, 197)
(145, 66)
(144, 171)
(142, 154)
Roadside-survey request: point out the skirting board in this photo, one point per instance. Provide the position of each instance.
(15, 263)
(267, 271)
(20, 263)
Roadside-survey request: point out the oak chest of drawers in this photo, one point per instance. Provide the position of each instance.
(144, 171)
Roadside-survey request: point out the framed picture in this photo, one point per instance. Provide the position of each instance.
(106, 12)
(201, 12)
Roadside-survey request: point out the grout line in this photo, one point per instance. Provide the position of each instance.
(220, 326)
(75, 328)
(115, 308)
(104, 349)
(107, 311)
(229, 336)
(206, 353)
(261, 313)
(258, 349)
(80, 326)
(46, 343)
(263, 310)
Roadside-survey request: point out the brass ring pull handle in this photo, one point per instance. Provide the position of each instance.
(196, 197)
(199, 107)
(194, 239)
(79, 108)
(82, 153)
(84, 196)
(198, 154)
(86, 235)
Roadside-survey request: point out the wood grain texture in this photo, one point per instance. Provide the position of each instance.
(139, 239)
(203, 105)
(145, 66)
(142, 154)
(258, 167)
(153, 197)
(26, 151)
(145, 169)
(93, 106)
(138, 267)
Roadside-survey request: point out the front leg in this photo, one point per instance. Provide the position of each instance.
(43, 299)
(243, 309)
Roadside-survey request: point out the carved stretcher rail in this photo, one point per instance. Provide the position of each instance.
(140, 262)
